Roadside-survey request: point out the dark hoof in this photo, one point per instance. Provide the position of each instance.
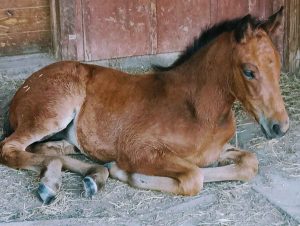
(46, 194)
(108, 165)
(90, 186)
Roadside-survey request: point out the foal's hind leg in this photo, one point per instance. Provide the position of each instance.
(51, 177)
(55, 148)
(13, 154)
(95, 176)
(50, 180)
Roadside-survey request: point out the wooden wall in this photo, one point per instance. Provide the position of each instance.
(100, 29)
(24, 26)
(292, 36)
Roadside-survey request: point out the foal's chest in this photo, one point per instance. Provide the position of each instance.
(212, 145)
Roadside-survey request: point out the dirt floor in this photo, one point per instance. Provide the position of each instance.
(272, 198)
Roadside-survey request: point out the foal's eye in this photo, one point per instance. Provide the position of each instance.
(249, 74)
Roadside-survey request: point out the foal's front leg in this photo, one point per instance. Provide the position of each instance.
(188, 179)
(237, 165)
(170, 174)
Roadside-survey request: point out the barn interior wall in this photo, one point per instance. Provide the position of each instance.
(91, 30)
(98, 29)
(24, 27)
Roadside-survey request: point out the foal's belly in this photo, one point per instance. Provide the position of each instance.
(94, 137)
(96, 148)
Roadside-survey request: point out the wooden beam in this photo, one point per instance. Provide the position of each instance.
(24, 19)
(24, 27)
(25, 43)
(292, 36)
(14, 4)
(55, 28)
(67, 31)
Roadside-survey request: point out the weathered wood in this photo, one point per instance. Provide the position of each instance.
(278, 37)
(265, 8)
(12, 4)
(98, 29)
(71, 31)
(153, 27)
(178, 22)
(292, 38)
(116, 28)
(228, 9)
(260, 8)
(24, 43)
(24, 19)
(24, 26)
(55, 29)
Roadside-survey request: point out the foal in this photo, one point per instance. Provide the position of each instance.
(158, 131)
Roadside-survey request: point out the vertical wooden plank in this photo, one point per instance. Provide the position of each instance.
(265, 8)
(268, 5)
(55, 28)
(278, 37)
(153, 27)
(79, 30)
(229, 9)
(118, 28)
(71, 31)
(261, 8)
(179, 22)
(292, 55)
(257, 8)
(213, 11)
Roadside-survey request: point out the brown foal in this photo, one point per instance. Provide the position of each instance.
(158, 131)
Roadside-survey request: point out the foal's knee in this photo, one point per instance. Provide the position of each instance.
(248, 165)
(10, 156)
(191, 183)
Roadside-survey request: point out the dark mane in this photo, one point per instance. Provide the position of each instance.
(208, 35)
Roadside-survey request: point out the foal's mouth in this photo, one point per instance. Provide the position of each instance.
(271, 129)
(267, 135)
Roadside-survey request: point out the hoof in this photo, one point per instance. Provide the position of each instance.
(90, 186)
(108, 165)
(46, 194)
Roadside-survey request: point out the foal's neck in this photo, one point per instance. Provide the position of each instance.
(206, 77)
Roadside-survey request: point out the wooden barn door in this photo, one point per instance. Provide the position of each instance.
(24, 27)
(100, 29)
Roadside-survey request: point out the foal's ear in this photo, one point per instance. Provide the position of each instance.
(273, 22)
(243, 30)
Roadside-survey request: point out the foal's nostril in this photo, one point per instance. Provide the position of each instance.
(276, 129)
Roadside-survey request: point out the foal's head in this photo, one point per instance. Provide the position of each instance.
(256, 71)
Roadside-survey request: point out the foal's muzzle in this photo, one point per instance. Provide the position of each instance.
(273, 129)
